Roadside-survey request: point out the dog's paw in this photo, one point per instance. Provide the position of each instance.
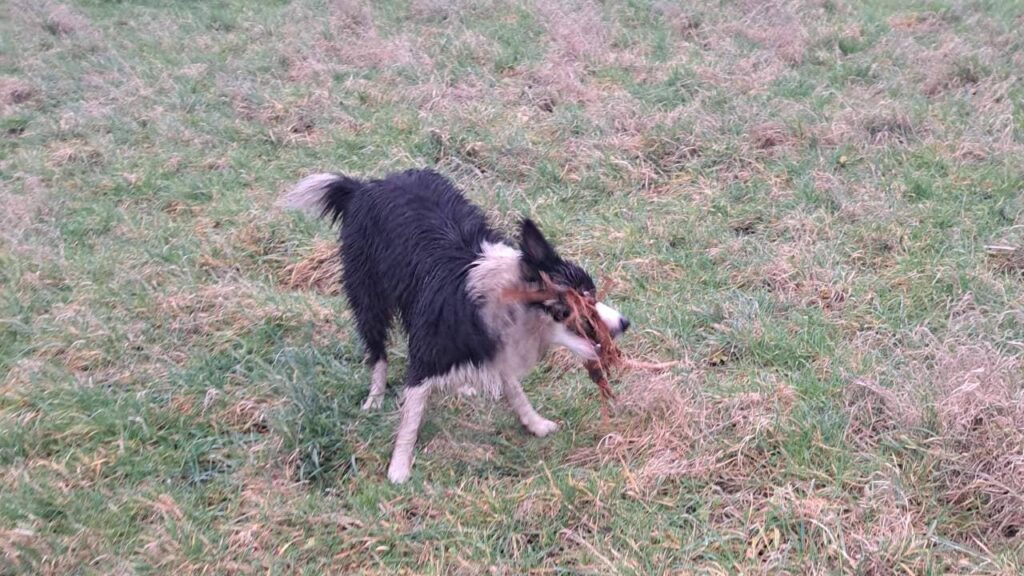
(398, 473)
(541, 427)
(373, 402)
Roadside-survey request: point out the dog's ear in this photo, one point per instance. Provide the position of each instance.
(537, 253)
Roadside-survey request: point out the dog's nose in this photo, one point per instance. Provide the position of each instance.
(623, 324)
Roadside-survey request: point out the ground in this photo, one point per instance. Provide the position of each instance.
(814, 207)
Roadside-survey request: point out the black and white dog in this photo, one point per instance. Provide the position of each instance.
(412, 245)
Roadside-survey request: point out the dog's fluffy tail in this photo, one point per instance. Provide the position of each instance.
(321, 195)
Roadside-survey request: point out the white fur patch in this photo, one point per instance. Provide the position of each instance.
(414, 403)
(534, 422)
(523, 336)
(578, 346)
(484, 379)
(378, 383)
(308, 195)
(611, 317)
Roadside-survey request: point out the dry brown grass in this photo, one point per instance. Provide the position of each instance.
(15, 91)
(319, 271)
(994, 105)
(964, 401)
(576, 29)
(62, 20)
(1007, 258)
(265, 505)
(979, 403)
(791, 271)
(354, 42)
(670, 429)
(74, 152)
(769, 135)
(777, 28)
(248, 416)
(875, 122)
(221, 311)
(775, 25)
(918, 22)
(578, 39)
(22, 212)
(78, 337)
(57, 20)
(360, 43)
(15, 542)
(444, 448)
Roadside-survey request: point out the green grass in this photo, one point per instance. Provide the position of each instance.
(792, 200)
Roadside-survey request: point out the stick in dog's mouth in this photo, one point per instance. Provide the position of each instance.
(585, 321)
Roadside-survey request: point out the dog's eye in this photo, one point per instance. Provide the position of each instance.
(559, 311)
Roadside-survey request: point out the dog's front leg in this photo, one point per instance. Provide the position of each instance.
(534, 422)
(413, 405)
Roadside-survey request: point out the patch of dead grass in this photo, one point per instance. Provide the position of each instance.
(19, 545)
(15, 91)
(1006, 258)
(19, 213)
(994, 104)
(319, 271)
(785, 37)
(676, 431)
(74, 152)
(781, 39)
(869, 120)
(227, 309)
(670, 429)
(793, 276)
(576, 28)
(682, 22)
(62, 20)
(769, 135)
(354, 42)
(247, 416)
(445, 96)
(955, 71)
(436, 10)
(963, 401)
(979, 402)
(579, 38)
(888, 127)
(359, 43)
(919, 22)
(446, 449)
(79, 337)
(261, 524)
(304, 121)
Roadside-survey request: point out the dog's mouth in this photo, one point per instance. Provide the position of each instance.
(579, 312)
(585, 316)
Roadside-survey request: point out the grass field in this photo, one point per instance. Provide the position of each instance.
(793, 199)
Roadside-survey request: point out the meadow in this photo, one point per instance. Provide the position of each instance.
(815, 208)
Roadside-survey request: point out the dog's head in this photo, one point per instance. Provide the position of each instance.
(540, 258)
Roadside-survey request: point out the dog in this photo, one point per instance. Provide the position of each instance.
(413, 246)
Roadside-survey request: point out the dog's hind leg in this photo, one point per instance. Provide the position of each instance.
(534, 422)
(414, 403)
(372, 327)
(378, 383)
(373, 313)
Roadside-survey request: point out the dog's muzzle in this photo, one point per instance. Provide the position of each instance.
(617, 323)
